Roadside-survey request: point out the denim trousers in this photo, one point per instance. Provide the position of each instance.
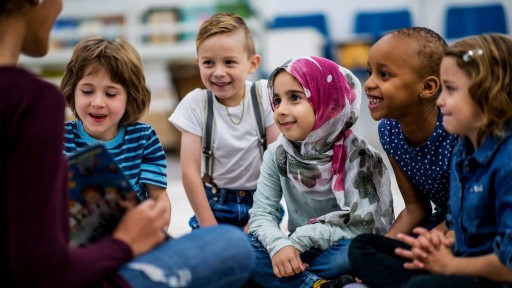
(323, 264)
(373, 260)
(229, 206)
(192, 261)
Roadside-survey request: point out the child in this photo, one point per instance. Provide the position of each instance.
(105, 88)
(34, 203)
(335, 185)
(402, 89)
(476, 74)
(220, 185)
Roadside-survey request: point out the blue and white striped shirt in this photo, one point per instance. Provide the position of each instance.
(136, 149)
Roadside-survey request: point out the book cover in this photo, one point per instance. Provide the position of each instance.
(96, 185)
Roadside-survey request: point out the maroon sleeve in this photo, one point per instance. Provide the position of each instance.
(36, 183)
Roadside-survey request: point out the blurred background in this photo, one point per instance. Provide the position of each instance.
(163, 32)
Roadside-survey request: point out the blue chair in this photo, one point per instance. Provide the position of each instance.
(375, 24)
(462, 21)
(317, 21)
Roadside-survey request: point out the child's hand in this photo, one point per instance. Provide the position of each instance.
(286, 262)
(426, 243)
(437, 261)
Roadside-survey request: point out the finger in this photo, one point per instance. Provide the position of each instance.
(448, 242)
(420, 230)
(410, 266)
(425, 243)
(437, 240)
(276, 271)
(419, 253)
(407, 239)
(404, 253)
(296, 266)
(290, 269)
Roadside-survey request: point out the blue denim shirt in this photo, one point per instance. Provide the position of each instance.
(481, 198)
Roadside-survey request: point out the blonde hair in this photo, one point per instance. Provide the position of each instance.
(123, 65)
(487, 60)
(226, 23)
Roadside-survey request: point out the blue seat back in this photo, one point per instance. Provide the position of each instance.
(462, 21)
(376, 24)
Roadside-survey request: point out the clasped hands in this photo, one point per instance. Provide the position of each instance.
(430, 251)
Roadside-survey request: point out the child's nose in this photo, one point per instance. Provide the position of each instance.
(440, 100)
(98, 100)
(281, 109)
(369, 84)
(219, 71)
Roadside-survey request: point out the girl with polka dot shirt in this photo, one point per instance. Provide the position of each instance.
(402, 89)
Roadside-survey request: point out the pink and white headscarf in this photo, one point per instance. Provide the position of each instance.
(332, 159)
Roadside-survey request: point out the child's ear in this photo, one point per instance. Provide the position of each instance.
(430, 87)
(197, 60)
(255, 63)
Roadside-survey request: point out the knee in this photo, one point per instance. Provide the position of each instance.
(359, 248)
(231, 233)
(361, 241)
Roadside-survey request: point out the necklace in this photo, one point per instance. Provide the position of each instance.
(241, 116)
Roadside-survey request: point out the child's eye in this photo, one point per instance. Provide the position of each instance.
(276, 101)
(369, 72)
(230, 62)
(448, 88)
(384, 75)
(207, 63)
(87, 92)
(111, 95)
(295, 97)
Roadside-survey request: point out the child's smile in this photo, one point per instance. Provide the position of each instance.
(100, 103)
(97, 117)
(373, 102)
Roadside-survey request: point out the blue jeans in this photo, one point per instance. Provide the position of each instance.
(229, 206)
(327, 264)
(218, 256)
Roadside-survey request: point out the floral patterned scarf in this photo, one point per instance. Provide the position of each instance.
(332, 159)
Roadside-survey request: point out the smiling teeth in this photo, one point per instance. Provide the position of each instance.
(374, 101)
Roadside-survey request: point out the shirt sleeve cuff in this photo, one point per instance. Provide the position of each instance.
(503, 248)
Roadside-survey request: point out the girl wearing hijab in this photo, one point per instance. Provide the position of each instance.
(334, 183)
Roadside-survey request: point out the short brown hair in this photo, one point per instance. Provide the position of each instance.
(226, 23)
(489, 66)
(122, 63)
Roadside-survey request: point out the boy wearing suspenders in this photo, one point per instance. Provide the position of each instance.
(225, 128)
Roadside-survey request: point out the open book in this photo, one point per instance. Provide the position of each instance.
(96, 184)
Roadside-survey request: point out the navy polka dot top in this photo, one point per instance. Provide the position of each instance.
(428, 165)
